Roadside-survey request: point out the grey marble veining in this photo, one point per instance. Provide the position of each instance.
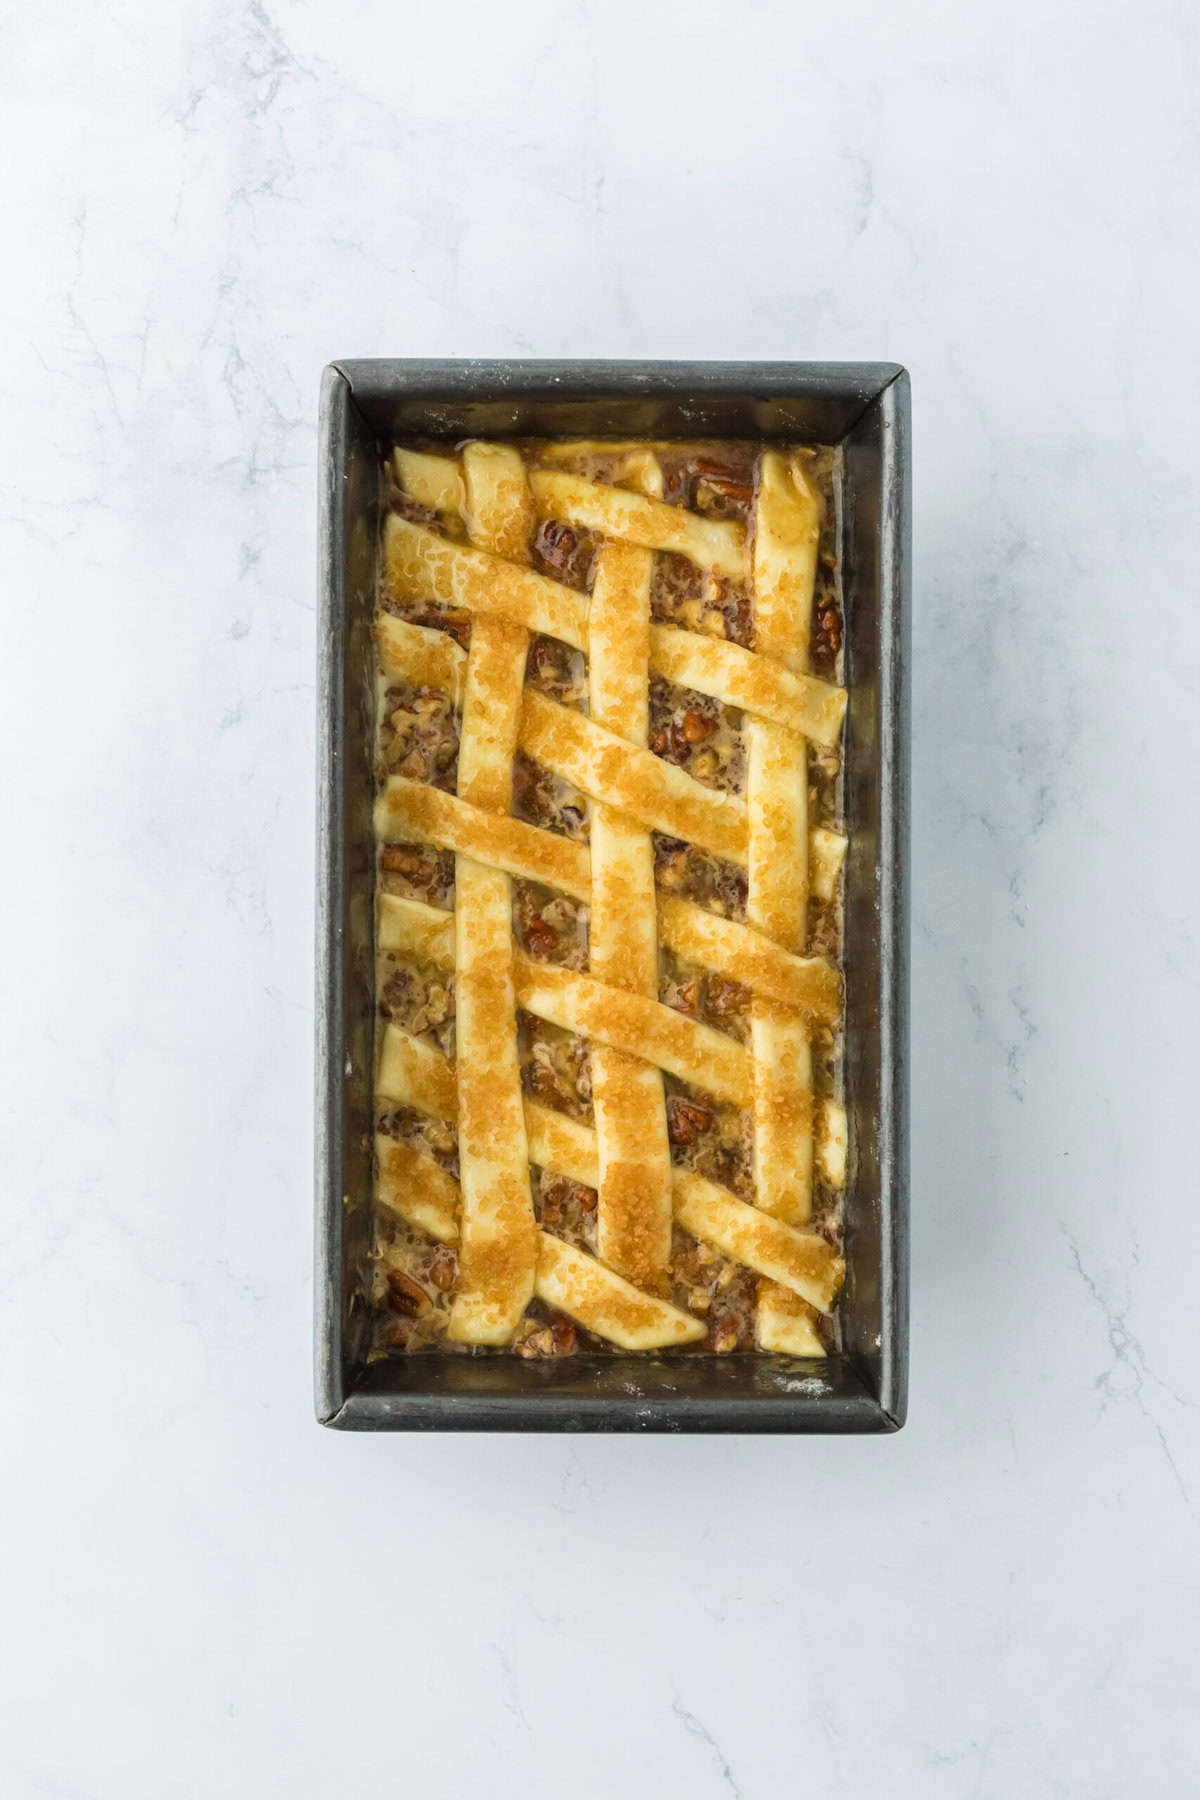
(204, 203)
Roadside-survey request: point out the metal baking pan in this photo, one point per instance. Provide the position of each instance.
(864, 407)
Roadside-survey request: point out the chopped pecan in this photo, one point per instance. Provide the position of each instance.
(562, 1333)
(687, 1120)
(403, 859)
(686, 998)
(540, 939)
(723, 999)
(723, 1334)
(564, 551)
(396, 1334)
(696, 727)
(443, 1268)
(560, 1193)
(827, 638)
(396, 993)
(405, 1295)
(555, 1339)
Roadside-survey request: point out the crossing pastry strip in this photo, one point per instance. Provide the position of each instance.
(420, 565)
(806, 1263)
(809, 985)
(498, 1249)
(605, 1303)
(806, 984)
(561, 1144)
(412, 928)
(830, 1147)
(785, 1323)
(655, 793)
(414, 1073)
(641, 1027)
(827, 853)
(413, 1185)
(433, 481)
(799, 1260)
(408, 809)
(633, 1220)
(423, 657)
(755, 683)
(715, 544)
(412, 1069)
(787, 530)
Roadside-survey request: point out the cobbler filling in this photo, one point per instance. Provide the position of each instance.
(418, 736)
(543, 798)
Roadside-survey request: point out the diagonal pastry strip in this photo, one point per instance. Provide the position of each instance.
(635, 519)
(809, 985)
(657, 794)
(409, 809)
(420, 565)
(802, 1262)
(413, 1185)
(758, 685)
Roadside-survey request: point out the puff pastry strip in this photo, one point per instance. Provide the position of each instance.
(755, 683)
(806, 984)
(786, 535)
(409, 809)
(498, 1230)
(715, 544)
(423, 657)
(566, 1147)
(413, 1185)
(655, 793)
(641, 1027)
(633, 1218)
(805, 1262)
(433, 481)
(420, 565)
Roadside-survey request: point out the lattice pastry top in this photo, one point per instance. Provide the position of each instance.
(607, 921)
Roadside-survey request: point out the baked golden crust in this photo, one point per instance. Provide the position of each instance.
(786, 533)
(420, 565)
(454, 1053)
(630, 779)
(407, 809)
(633, 1216)
(636, 519)
(497, 1263)
(769, 690)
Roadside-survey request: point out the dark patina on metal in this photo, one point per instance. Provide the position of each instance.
(864, 407)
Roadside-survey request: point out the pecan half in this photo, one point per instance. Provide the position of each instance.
(405, 1295)
(687, 1120)
(443, 1268)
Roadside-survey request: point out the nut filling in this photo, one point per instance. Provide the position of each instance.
(609, 900)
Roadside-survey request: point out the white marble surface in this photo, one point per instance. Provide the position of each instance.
(205, 1594)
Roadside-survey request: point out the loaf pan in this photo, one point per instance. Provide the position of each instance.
(365, 407)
